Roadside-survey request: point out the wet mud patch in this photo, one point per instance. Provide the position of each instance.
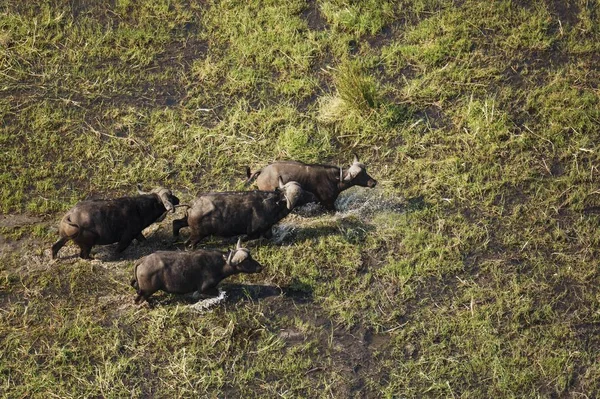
(355, 354)
(351, 352)
(434, 117)
(566, 11)
(117, 304)
(156, 90)
(387, 34)
(292, 335)
(18, 225)
(18, 220)
(313, 17)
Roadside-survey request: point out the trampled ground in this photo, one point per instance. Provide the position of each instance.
(470, 271)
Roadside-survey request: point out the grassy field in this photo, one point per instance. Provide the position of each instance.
(471, 271)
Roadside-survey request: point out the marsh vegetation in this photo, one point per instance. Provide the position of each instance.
(470, 271)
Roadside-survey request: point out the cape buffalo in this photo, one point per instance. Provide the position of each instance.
(100, 222)
(325, 182)
(232, 213)
(182, 272)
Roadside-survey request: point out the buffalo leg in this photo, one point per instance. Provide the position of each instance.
(330, 206)
(193, 240)
(209, 291)
(178, 224)
(86, 240)
(306, 198)
(141, 297)
(85, 252)
(58, 245)
(252, 236)
(124, 243)
(255, 235)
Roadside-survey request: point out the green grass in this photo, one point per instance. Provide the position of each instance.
(470, 271)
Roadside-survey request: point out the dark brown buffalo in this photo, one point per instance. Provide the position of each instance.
(100, 222)
(233, 213)
(183, 272)
(325, 182)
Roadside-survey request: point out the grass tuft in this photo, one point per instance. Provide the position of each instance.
(356, 89)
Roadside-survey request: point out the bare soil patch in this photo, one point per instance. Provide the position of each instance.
(312, 16)
(18, 220)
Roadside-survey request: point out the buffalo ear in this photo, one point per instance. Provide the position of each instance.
(280, 180)
(292, 194)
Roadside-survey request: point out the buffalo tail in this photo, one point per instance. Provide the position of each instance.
(133, 281)
(78, 227)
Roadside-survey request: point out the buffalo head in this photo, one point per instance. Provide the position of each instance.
(292, 191)
(168, 199)
(357, 174)
(240, 259)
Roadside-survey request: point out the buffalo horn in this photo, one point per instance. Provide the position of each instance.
(139, 190)
(165, 199)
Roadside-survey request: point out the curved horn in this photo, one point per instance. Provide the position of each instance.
(140, 191)
(355, 158)
(341, 174)
(239, 243)
(229, 257)
(351, 173)
(280, 182)
(165, 200)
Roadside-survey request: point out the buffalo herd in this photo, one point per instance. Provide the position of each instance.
(282, 186)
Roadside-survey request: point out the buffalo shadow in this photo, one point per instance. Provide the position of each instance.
(239, 293)
(158, 240)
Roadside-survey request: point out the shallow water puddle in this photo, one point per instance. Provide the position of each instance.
(205, 304)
